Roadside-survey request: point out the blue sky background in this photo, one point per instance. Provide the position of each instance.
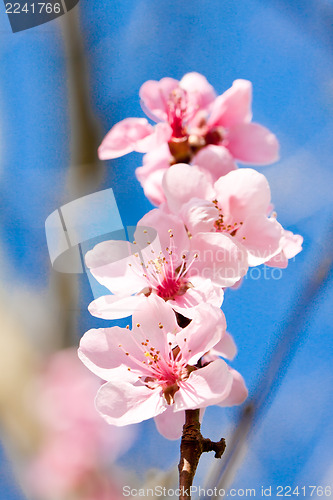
(285, 50)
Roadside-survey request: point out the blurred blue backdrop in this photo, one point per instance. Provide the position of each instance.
(285, 49)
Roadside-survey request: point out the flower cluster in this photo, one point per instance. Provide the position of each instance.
(212, 223)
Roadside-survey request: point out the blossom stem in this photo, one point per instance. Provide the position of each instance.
(191, 447)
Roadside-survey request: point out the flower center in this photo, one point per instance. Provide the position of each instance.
(214, 136)
(169, 287)
(223, 226)
(164, 370)
(162, 275)
(176, 109)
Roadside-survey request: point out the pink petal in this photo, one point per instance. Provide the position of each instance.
(152, 185)
(114, 306)
(238, 392)
(157, 159)
(163, 223)
(113, 264)
(203, 291)
(279, 260)
(232, 107)
(291, 244)
(199, 215)
(183, 182)
(170, 423)
(123, 137)
(211, 293)
(261, 237)
(156, 319)
(253, 143)
(216, 160)
(122, 403)
(150, 175)
(204, 387)
(243, 192)
(201, 93)
(155, 96)
(205, 330)
(99, 350)
(161, 134)
(220, 258)
(226, 347)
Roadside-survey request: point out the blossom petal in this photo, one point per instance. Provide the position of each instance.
(279, 260)
(220, 258)
(166, 225)
(203, 291)
(199, 215)
(156, 319)
(114, 306)
(233, 106)
(205, 330)
(225, 348)
(291, 244)
(201, 93)
(157, 159)
(155, 95)
(152, 185)
(253, 143)
(123, 137)
(238, 392)
(115, 265)
(170, 423)
(216, 160)
(150, 175)
(204, 387)
(261, 236)
(183, 182)
(159, 135)
(103, 351)
(243, 192)
(123, 403)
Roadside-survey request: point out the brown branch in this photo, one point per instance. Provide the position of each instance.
(191, 447)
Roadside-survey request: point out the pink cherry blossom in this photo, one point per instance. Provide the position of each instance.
(152, 368)
(180, 270)
(170, 102)
(193, 126)
(236, 206)
(170, 424)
